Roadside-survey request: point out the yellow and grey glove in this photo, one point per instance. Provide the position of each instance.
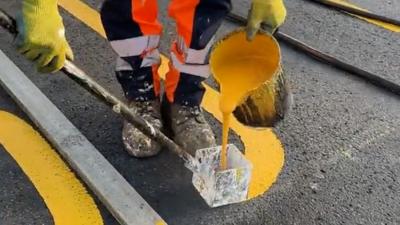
(41, 36)
(270, 12)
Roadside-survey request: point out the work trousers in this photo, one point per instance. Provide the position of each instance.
(134, 33)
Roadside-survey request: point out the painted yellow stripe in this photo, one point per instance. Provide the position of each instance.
(387, 26)
(65, 197)
(262, 147)
(86, 14)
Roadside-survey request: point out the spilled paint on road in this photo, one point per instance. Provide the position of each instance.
(63, 194)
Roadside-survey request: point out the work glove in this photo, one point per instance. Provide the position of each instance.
(41, 35)
(270, 12)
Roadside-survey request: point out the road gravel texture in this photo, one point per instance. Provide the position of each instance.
(341, 138)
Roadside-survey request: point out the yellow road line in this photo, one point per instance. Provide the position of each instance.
(387, 26)
(65, 197)
(262, 147)
(84, 13)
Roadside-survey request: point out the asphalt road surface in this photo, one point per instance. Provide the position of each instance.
(341, 140)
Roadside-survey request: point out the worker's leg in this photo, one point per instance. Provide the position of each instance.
(197, 21)
(134, 33)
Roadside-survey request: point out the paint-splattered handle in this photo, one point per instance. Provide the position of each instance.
(121, 108)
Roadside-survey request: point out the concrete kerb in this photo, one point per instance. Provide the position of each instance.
(120, 198)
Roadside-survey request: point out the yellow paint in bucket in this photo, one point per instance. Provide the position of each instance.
(240, 67)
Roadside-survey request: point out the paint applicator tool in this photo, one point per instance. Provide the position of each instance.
(217, 187)
(222, 186)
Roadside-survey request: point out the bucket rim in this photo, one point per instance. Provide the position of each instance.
(243, 30)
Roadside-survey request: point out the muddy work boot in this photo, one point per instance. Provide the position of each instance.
(136, 143)
(189, 127)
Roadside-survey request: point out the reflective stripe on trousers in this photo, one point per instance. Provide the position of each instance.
(134, 33)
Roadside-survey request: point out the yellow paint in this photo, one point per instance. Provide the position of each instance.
(387, 26)
(65, 197)
(239, 71)
(160, 222)
(262, 147)
(86, 14)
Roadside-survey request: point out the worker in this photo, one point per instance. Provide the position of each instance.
(134, 33)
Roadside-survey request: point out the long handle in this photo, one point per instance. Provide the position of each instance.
(121, 108)
(105, 96)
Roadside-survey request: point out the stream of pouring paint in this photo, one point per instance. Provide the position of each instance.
(238, 76)
(235, 86)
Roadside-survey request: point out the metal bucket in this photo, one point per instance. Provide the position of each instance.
(268, 103)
